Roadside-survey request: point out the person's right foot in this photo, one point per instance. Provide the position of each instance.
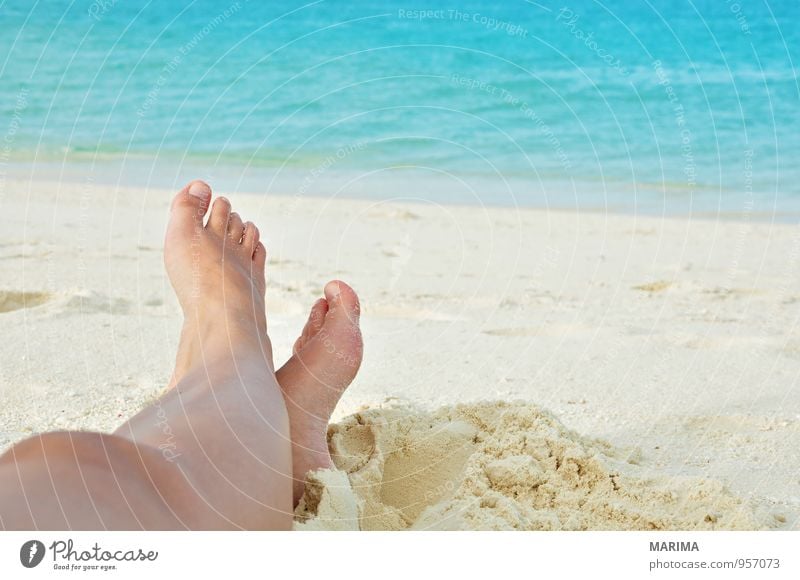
(326, 358)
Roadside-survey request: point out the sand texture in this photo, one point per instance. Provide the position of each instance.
(501, 466)
(674, 340)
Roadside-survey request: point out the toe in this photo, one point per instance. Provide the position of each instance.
(251, 237)
(316, 319)
(343, 304)
(220, 213)
(190, 205)
(342, 334)
(235, 227)
(259, 257)
(257, 269)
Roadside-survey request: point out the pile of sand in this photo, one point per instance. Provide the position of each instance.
(499, 466)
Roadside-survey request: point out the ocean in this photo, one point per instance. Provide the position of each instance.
(659, 107)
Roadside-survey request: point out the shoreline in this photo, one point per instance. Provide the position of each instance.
(248, 180)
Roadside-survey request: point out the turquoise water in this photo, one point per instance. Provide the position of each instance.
(662, 106)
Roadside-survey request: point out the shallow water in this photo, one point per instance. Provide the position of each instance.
(669, 107)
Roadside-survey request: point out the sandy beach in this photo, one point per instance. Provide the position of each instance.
(657, 356)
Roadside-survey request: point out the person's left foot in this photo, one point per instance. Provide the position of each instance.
(217, 272)
(326, 358)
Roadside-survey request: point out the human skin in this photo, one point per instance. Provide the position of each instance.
(242, 437)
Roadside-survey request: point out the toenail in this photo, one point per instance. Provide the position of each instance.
(199, 189)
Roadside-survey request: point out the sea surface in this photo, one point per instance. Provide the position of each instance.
(656, 106)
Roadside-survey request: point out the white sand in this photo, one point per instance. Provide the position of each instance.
(501, 466)
(674, 341)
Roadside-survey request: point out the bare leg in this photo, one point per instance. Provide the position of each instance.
(326, 358)
(214, 452)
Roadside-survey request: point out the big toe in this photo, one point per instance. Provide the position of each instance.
(341, 328)
(344, 308)
(189, 207)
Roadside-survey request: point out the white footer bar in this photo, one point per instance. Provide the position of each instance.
(459, 555)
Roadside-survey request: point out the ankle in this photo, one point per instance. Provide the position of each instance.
(230, 333)
(308, 456)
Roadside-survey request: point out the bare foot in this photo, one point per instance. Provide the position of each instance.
(222, 294)
(228, 427)
(326, 359)
(222, 297)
